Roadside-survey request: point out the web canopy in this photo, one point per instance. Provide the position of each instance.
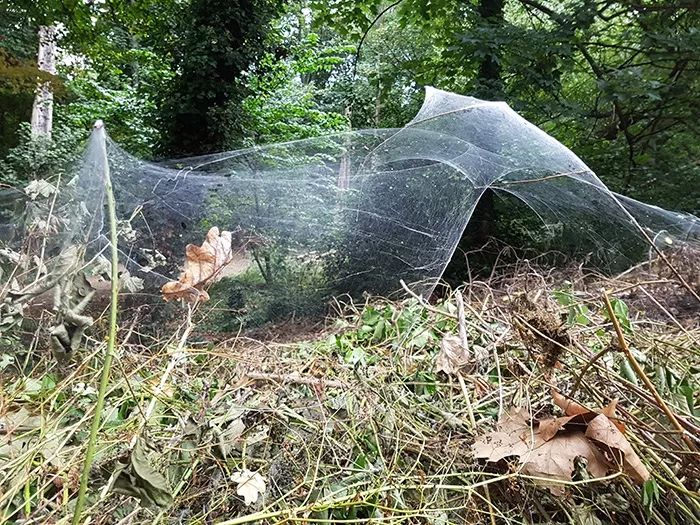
(355, 212)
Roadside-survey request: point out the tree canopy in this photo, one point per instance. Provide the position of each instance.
(616, 81)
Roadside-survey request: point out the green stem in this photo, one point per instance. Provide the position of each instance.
(111, 342)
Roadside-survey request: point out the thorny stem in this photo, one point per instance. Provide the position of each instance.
(111, 342)
(642, 375)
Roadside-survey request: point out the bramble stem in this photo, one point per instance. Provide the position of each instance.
(642, 375)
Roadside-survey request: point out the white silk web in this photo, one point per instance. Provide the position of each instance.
(359, 211)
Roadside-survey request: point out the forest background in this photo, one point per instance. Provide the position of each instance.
(615, 81)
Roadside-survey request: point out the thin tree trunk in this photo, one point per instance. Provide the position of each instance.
(42, 111)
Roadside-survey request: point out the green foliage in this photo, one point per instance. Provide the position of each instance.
(284, 104)
(651, 495)
(578, 313)
(614, 82)
(129, 109)
(39, 157)
(621, 311)
(212, 45)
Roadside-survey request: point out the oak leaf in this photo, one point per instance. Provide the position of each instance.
(203, 266)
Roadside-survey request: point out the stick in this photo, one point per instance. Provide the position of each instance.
(640, 372)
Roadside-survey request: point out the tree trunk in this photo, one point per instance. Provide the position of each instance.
(489, 82)
(489, 87)
(42, 111)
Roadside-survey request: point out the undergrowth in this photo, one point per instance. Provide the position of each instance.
(355, 424)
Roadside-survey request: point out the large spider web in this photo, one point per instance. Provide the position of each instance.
(360, 211)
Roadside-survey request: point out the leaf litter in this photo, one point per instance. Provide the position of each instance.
(387, 438)
(548, 448)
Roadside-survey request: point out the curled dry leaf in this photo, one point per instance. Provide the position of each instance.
(453, 355)
(607, 436)
(551, 458)
(548, 448)
(555, 459)
(250, 485)
(570, 407)
(203, 266)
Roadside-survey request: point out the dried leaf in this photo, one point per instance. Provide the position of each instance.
(514, 436)
(548, 428)
(203, 266)
(139, 478)
(130, 283)
(552, 457)
(250, 485)
(39, 188)
(19, 421)
(453, 355)
(570, 407)
(605, 433)
(555, 459)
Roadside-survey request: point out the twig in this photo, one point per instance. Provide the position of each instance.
(465, 344)
(645, 379)
(295, 378)
(424, 304)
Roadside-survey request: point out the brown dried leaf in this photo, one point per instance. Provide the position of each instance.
(203, 266)
(453, 355)
(548, 428)
(514, 436)
(570, 407)
(544, 452)
(606, 434)
(555, 459)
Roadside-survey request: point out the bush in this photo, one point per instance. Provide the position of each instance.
(40, 157)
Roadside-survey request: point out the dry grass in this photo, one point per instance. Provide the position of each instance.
(354, 425)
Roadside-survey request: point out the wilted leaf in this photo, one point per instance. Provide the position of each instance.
(19, 421)
(453, 355)
(250, 485)
(548, 428)
(140, 479)
(130, 283)
(227, 436)
(39, 188)
(605, 434)
(203, 265)
(555, 459)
